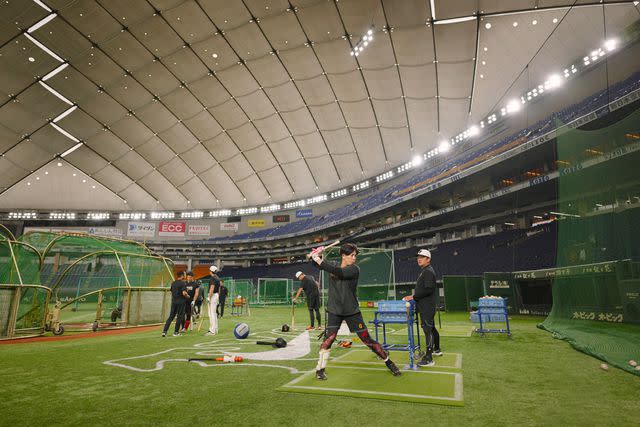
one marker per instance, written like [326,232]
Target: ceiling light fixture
[455,20]
[65,114]
[71,150]
[55,71]
[44,6]
[56,93]
[65,133]
[43,47]
[41,23]
[364,42]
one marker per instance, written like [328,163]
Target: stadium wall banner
[256,223]
[304,213]
[236,218]
[168,229]
[199,230]
[141,229]
[281,218]
[229,226]
[106,231]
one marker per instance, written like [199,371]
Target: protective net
[101,281]
[596,287]
[377,275]
[274,291]
[243,288]
[22,301]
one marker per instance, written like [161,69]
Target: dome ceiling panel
[198,158]
[185,65]
[316,90]
[183,105]
[176,171]
[131,130]
[222,147]
[396,143]
[178,138]
[272,128]
[133,164]
[203,125]
[269,89]
[299,121]
[229,115]
[285,97]
[359,114]
[155,151]
[256,105]
[304,182]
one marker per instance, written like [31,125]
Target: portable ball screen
[241,331]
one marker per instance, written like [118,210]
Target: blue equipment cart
[491,310]
[396,312]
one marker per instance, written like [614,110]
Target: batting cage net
[274,291]
[23,302]
[596,282]
[242,288]
[101,282]
[377,274]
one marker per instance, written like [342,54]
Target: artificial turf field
[531,379]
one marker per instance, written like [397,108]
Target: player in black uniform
[343,305]
[221,301]
[426,297]
[192,291]
[213,297]
[312,292]
[178,298]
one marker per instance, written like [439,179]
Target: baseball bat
[226,359]
[337,242]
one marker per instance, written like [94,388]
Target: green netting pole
[75,305]
[126,279]
[15,262]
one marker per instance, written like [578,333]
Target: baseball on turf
[633,363]
[604,366]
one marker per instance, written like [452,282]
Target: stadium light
[444,147]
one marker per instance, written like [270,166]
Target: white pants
[213,317]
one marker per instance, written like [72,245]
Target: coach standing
[426,297]
[221,301]
[213,297]
[312,292]
[178,297]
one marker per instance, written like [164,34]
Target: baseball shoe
[427,360]
[178,334]
[164,334]
[393,368]
[320,375]
[437,352]
[310,328]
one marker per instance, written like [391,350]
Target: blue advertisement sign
[304,213]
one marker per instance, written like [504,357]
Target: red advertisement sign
[172,228]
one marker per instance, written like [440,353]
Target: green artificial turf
[423,386]
[365,357]
[530,379]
